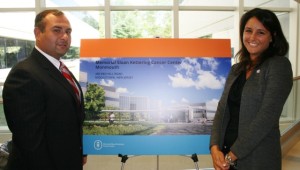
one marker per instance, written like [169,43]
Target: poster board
[151,96]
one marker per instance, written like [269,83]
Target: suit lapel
[54,72]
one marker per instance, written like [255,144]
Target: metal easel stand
[195,159]
[124,159]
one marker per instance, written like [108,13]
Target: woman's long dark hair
[279,45]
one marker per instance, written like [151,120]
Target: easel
[195,159]
[123,160]
[125,157]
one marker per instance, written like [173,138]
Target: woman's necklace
[249,71]
[250,67]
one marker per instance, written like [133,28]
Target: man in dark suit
[42,110]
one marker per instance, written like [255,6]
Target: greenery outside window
[141,24]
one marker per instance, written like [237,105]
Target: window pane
[13,50]
[2,56]
[284,19]
[196,24]
[141,2]
[206,3]
[267,3]
[17,25]
[2,117]
[17,38]
[73,3]
[85,25]
[141,24]
[17,3]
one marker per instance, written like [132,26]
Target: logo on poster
[98,144]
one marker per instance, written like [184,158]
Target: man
[41,107]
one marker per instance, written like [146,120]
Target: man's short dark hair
[39,19]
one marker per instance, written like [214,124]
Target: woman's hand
[218,158]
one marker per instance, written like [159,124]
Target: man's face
[55,40]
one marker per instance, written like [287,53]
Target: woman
[245,133]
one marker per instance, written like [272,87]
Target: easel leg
[123,160]
[125,157]
[195,159]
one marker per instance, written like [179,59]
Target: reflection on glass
[17,3]
[141,24]
[141,2]
[85,25]
[291,110]
[13,50]
[197,24]
[284,18]
[73,3]
[2,53]
[297,97]
[206,2]
[266,3]
[2,117]
[17,24]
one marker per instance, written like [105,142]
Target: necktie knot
[66,73]
[63,67]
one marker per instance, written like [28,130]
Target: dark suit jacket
[43,115]
[264,94]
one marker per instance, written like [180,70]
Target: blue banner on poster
[146,145]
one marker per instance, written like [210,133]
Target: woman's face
[256,37]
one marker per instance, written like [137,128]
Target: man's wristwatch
[229,160]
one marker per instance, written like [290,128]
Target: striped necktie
[66,73]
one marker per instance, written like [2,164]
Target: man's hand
[218,158]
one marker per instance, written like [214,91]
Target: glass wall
[13,50]
[267,3]
[213,3]
[2,117]
[17,3]
[296,93]
[73,3]
[85,25]
[291,111]
[219,24]
[141,2]
[134,19]
[141,24]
